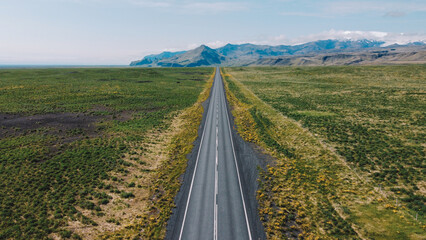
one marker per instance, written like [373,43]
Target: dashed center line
[216,174]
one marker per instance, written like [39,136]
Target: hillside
[417,55]
[323,52]
[156,57]
[201,56]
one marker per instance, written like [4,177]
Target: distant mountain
[251,54]
[332,45]
[405,56]
[201,56]
[155,57]
[163,55]
[250,50]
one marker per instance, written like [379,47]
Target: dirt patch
[146,81]
[123,116]
[59,123]
[63,127]
[107,113]
[68,126]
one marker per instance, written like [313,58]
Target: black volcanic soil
[68,126]
[64,127]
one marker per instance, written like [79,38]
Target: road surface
[215,206]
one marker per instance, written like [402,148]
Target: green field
[374,116]
[371,117]
[66,134]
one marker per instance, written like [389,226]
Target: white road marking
[193,177]
[216,173]
[238,174]
[216,186]
[216,170]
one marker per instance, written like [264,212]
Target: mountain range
[323,52]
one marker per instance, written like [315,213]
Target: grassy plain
[79,147]
[349,144]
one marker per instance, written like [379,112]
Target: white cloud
[206,7]
[152,3]
[169,50]
[304,14]
[216,44]
[338,8]
[186,6]
[343,35]
[388,38]
[355,7]
[274,40]
[395,14]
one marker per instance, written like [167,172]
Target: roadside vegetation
[167,179]
[348,144]
[79,148]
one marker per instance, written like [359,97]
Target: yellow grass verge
[310,192]
[165,183]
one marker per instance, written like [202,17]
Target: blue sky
[119,31]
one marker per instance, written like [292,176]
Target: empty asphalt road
[215,206]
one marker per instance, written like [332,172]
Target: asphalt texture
[217,199]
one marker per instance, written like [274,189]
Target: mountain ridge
[252,54]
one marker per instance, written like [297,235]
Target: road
[215,207]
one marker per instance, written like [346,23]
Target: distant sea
[59,66]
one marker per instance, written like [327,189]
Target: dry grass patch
[167,167]
[128,201]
